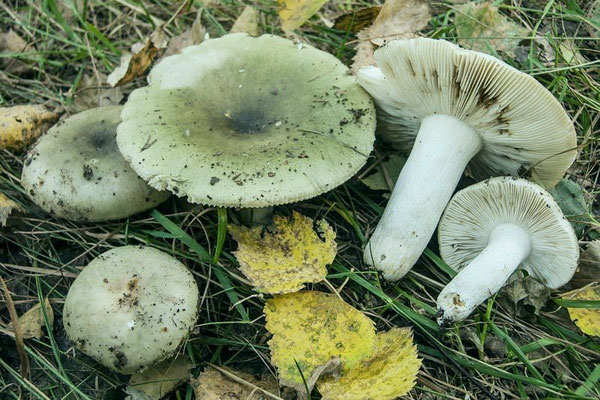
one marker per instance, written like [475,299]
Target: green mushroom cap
[131,307]
[248,122]
[76,171]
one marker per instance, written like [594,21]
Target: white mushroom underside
[508,246]
[442,149]
[474,213]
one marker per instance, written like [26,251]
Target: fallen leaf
[387,374]
[356,20]
[588,270]
[570,198]
[6,207]
[134,65]
[287,255]
[315,334]
[194,35]
[587,319]
[11,42]
[524,291]
[391,168]
[22,125]
[570,52]
[294,13]
[32,321]
[398,19]
[481,27]
[94,91]
[247,22]
[215,385]
[162,378]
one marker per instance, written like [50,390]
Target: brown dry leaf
[32,321]
[398,19]
[356,20]
[588,270]
[481,27]
[294,13]
[247,22]
[231,384]
[22,125]
[11,42]
[94,91]
[6,207]
[134,65]
[194,35]
[162,378]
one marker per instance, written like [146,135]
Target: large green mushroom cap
[131,307]
[248,122]
[76,171]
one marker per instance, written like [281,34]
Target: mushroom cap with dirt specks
[76,171]
[520,123]
[131,307]
[248,122]
[474,212]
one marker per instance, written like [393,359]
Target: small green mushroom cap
[248,122]
[76,171]
[131,307]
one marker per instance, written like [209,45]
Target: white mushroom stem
[508,246]
[443,148]
[256,216]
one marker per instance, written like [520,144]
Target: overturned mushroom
[457,109]
[131,307]
[248,122]
[76,171]
[494,227]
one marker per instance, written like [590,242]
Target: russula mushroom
[458,109]
[131,307]
[248,122]
[494,227]
[76,171]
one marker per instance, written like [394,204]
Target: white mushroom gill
[496,227]
[458,110]
[508,246]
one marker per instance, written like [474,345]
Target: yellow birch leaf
[6,207]
[247,22]
[389,373]
[287,255]
[162,378]
[481,27]
[587,319]
[32,321]
[294,13]
[315,333]
[22,125]
[231,384]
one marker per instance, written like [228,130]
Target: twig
[17,330]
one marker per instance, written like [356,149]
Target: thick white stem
[256,216]
[443,148]
[508,246]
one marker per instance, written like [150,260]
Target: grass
[494,353]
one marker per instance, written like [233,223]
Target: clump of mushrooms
[458,109]
[76,171]
[241,121]
[494,227]
[131,307]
